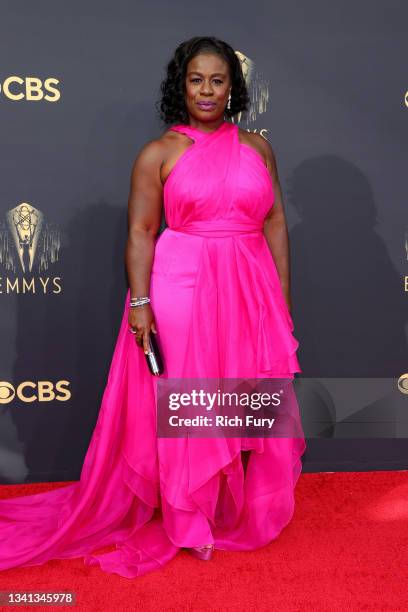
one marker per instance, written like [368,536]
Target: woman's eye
[195,79]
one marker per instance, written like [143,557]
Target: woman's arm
[144,217]
[275,227]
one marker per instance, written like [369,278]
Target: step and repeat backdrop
[79,82]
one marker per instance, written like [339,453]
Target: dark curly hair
[171,107]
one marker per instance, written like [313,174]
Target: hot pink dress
[220,312]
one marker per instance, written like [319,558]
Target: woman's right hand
[141,319]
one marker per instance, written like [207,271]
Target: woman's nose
[206,88]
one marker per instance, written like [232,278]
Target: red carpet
[345,549]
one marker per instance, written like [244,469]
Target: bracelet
[139,301]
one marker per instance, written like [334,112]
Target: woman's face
[207,87]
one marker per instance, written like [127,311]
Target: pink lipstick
[206,105]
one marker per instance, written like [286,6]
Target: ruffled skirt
[219,313]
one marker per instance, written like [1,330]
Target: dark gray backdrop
[337,121]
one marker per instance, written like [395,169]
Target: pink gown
[220,312]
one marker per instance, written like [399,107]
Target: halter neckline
[195,129]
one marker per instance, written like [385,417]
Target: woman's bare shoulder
[254,139]
[260,144]
[156,149]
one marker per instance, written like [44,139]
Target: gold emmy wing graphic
[257,86]
[25,236]
[25,223]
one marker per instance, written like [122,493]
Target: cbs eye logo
[402,384]
[40,391]
[32,89]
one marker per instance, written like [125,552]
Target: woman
[216,292]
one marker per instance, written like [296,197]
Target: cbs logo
[403,383]
[30,88]
[40,391]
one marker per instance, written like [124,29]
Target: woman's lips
[206,105]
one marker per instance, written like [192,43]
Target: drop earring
[229,101]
